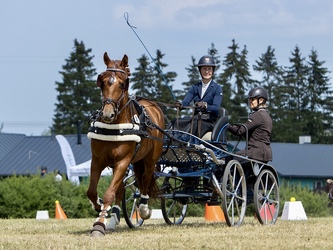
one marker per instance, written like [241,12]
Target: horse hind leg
[144,179]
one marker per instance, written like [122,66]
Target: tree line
[300,94]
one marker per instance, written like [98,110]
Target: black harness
[139,117]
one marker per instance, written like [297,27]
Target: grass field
[193,233]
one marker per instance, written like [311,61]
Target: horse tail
[139,169]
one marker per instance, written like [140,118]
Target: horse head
[114,83]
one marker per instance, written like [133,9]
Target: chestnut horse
[125,131]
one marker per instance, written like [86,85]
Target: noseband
[113,102]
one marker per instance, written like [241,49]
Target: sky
[37,36]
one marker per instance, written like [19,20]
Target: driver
[259,126]
[206,95]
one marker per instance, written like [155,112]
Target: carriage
[201,171]
[128,133]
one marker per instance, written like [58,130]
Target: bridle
[113,102]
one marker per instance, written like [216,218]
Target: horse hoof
[98,230]
[96,234]
[144,211]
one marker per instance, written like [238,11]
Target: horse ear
[124,61]
[106,59]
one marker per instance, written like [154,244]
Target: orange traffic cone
[214,213]
[136,215]
[265,212]
[59,212]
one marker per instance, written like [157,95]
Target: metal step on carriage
[194,170]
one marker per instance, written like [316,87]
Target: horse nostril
[108,117]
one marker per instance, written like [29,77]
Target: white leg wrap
[145,196]
[113,222]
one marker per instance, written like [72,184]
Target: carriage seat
[219,133]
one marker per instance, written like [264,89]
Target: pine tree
[78,95]
[212,51]
[294,99]
[162,88]
[271,71]
[141,81]
[319,118]
[272,77]
[235,80]
[193,76]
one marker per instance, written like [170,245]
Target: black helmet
[206,61]
[258,92]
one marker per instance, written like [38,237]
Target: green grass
[193,233]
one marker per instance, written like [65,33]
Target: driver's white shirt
[204,88]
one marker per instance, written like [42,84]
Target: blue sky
[37,36]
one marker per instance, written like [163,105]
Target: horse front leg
[95,173]
[115,209]
[114,191]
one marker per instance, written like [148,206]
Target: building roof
[28,154]
[8,142]
[23,155]
[300,160]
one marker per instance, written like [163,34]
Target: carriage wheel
[266,198]
[173,209]
[234,192]
[130,202]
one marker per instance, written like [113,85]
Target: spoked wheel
[234,192]
[130,202]
[173,208]
[266,198]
